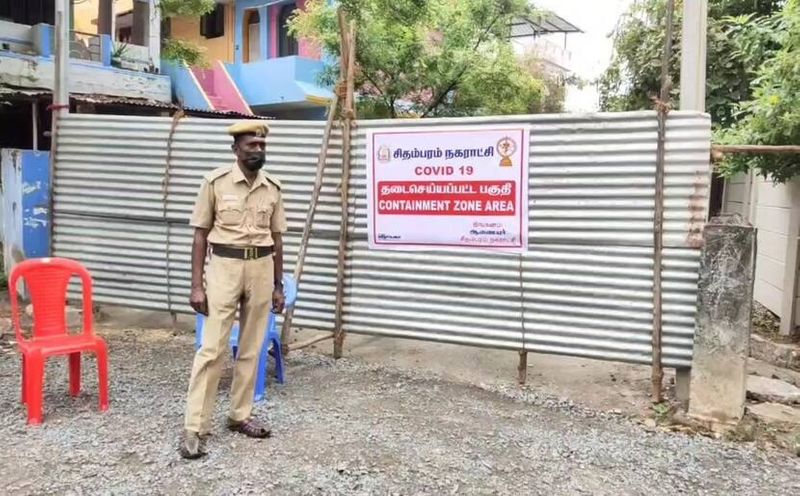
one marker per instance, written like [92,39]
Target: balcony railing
[39,40]
[85,46]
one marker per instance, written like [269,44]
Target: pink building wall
[273,13]
[305,48]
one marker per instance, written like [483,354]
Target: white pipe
[35,114]
[154,34]
[62,37]
[693,55]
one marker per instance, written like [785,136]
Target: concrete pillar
[105,15]
[154,35]
[683,379]
[693,55]
[722,330]
[141,20]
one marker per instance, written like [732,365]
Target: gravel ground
[352,428]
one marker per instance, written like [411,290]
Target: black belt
[242,253]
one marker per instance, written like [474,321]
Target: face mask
[254,160]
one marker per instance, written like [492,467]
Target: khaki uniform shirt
[238,213]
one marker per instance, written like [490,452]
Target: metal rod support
[305,344]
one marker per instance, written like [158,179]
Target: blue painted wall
[185,88]
[26,205]
[282,80]
[268,82]
[36,203]
[238,39]
[264,82]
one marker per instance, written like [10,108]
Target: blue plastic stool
[272,341]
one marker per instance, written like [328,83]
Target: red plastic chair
[47,281]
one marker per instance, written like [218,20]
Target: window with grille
[212,25]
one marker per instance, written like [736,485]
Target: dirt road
[353,428]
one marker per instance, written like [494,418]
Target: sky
[592,49]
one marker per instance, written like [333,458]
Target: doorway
[287,44]
[252,36]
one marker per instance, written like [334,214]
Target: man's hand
[278,300]
[198,301]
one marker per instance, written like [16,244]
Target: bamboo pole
[757,149]
[348,38]
[312,210]
[657,375]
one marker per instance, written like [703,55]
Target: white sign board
[448,188]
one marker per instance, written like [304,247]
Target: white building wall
[84,77]
[774,209]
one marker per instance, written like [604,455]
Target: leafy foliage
[741,36]
[185,8]
[180,50]
[183,51]
[429,57]
[555,85]
[772,116]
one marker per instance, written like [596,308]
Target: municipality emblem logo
[505,148]
[384,154]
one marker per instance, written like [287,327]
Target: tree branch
[369,78]
[454,83]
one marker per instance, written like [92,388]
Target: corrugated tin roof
[104,100]
[546,23]
[12,93]
[31,94]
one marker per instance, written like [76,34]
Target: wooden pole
[657,375]
[757,149]
[348,37]
[312,210]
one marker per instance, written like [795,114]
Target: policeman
[239,213]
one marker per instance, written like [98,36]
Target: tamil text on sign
[448,188]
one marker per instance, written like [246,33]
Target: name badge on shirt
[228,198]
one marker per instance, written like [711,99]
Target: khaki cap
[249,127]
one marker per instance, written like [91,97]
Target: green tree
[429,57]
[175,50]
[555,83]
[741,36]
[772,116]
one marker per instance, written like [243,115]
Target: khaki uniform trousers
[230,282]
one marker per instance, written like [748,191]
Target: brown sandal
[250,428]
[192,446]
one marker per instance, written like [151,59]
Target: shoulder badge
[217,173]
[273,180]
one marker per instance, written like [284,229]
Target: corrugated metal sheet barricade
[586,282]
[109,211]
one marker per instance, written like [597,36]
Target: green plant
[118,54]
[428,58]
[3,275]
[183,51]
[772,115]
[555,85]
[662,410]
[741,37]
[185,8]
